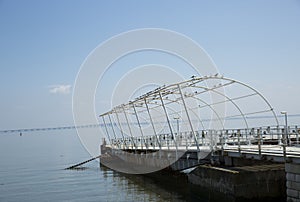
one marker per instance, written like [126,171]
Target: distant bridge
[48,129]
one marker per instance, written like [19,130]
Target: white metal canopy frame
[178,115]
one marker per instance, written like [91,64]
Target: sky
[43,44]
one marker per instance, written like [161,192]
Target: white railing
[215,139]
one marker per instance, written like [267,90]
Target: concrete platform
[261,182]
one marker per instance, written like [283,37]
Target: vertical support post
[186,141]
[168,120]
[139,124]
[252,136]
[106,130]
[222,143]
[189,120]
[297,135]
[289,137]
[152,124]
[226,138]
[121,130]
[259,141]
[239,140]
[132,139]
[270,132]
[285,139]
[284,142]
[203,137]
[113,129]
[278,136]
[246,133]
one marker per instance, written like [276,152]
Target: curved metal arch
[157,111]
[247,86]
[211,89]
[170,89]
[201,122]
[161,114]
[219,118]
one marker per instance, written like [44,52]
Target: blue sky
[43,44]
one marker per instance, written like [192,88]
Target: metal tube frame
[151,121]
[138,121]
[132,138]
[189,119]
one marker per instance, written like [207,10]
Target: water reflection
[158,187]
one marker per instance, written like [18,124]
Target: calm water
[32,169]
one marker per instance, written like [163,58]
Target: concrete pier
[262,182]
[292,182]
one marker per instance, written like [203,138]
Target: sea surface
[32,169]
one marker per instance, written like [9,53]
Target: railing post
[284,142]
[288,134]
[239,142]
[222,143]
[203,137]
[189,120]
[297,135]
[270,133]
[186,141]
[226,138]
[259,141]
[278,136]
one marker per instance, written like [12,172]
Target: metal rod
[170,127]
[152,124]
[284,143]
[139,124]
[285,139]
[112,127]
[189,119]
[278,135]
[259,142]
[106,130]
[297,135]
[239,140]
[132,139]
[121,130]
